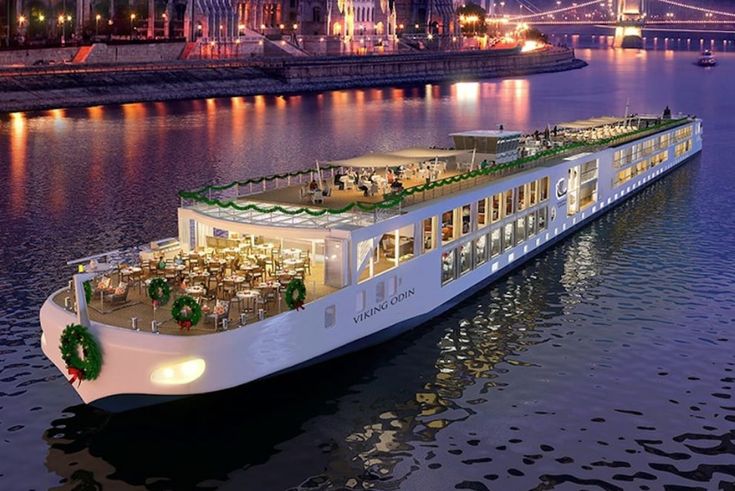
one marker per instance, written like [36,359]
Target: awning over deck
[406,156]
[588,124]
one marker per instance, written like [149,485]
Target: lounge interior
[236,280]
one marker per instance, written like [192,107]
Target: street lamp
[97,25]
[63,30]
[132,19]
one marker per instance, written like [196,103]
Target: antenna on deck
[627,110]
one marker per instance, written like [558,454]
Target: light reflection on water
[605,363]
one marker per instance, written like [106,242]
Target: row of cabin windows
[632,153]
[398,246]
[457,223]
[472,254]
[682,133]
[682,148]
[629,173]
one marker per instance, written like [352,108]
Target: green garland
[159,291]
[186,311]
[87,291]
[295,294]
[86,367]
[394,199]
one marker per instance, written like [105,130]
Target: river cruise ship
[271,274]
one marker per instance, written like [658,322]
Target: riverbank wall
[36,88]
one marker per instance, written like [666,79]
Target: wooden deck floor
[339,198]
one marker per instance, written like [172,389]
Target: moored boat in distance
[707,59]
[271,274]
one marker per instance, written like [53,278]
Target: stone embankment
[35,88]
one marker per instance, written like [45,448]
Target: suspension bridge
[628,17]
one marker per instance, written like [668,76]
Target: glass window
[520,230]
[521,198]
[447,226]
[482,213]
[495,242]
[496,200]
[428,231]
[508,198]
[532,193]
[465,257]
[531,224]
[481,249]
[508,236]
[448,266]
[466,219]
[360,301]
[543,189]
[541,222]
[397,246]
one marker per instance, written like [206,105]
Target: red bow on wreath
[185,325]
[298,305]
[76,374]
[155,304]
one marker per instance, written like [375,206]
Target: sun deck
[357,192]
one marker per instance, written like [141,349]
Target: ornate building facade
[226,19]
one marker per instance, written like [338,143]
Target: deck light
[179,373]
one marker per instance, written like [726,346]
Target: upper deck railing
[226,201]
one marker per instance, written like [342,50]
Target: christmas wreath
[159,291]
[186,311]
[87,291]
[295,294]
[86,367]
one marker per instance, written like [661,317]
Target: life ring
[87,366]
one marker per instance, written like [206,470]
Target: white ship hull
[299,337]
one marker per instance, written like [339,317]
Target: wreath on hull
[159,291]
[186,311]
[88,365]
[295,294]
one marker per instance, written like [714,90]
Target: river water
[605,363]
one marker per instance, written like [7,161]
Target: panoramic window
[543,189]
[531,224]
[465,257]
[482,213]
[447,226]
[521,197]
[508,236]
[429,227]
[542,219]
[495,242]
[466,212]
[520,230]
[496,203]
[481,249]
[532,193]
[448,266]
[508,199]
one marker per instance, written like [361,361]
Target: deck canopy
[414,155]
[591,123]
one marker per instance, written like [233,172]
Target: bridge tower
[631,15]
